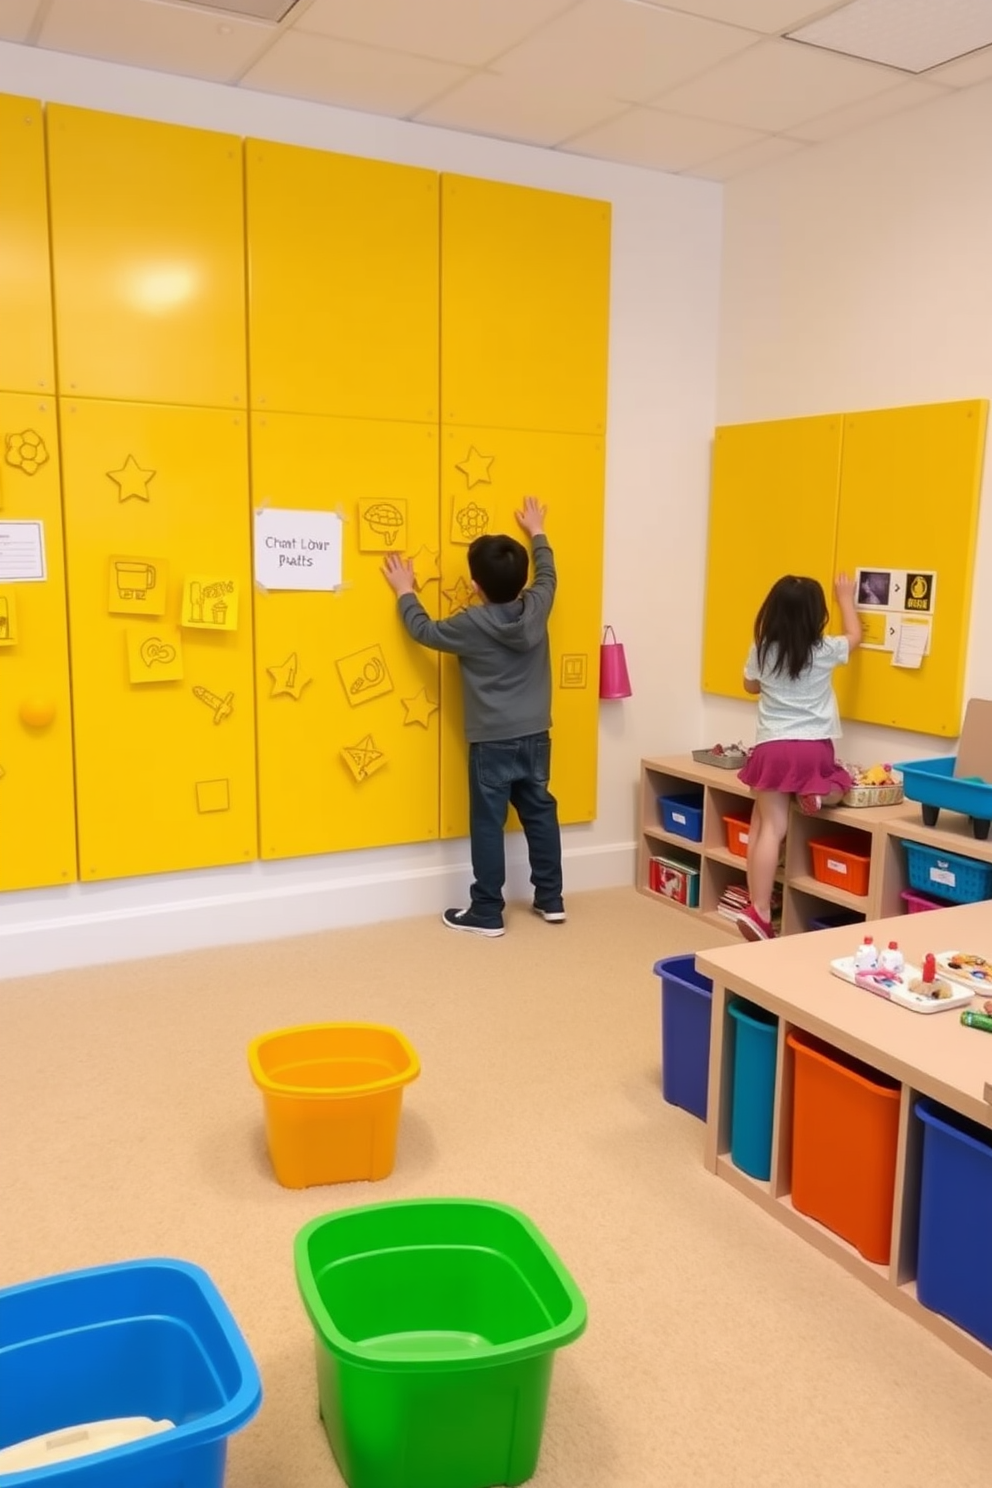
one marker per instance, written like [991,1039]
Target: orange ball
[37,712]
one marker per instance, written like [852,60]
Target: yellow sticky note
[873,629]
[155,654]
[137,586]
[210,604]
[8,618]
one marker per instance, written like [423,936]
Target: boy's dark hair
[791,623]
[498,564]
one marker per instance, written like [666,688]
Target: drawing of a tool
[222,707]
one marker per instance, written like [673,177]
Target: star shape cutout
[363,758]
[459,596]
[425,567]
[419,708]
[131,480]
[286,679]
[475,468]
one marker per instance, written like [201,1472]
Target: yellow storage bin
[333,1094]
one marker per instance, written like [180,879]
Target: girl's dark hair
[791,623]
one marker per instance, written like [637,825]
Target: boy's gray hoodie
[503,653]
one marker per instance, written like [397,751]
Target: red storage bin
[842,862]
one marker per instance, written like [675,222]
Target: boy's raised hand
[531,518]
[398,573]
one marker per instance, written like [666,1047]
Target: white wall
[666,248]
[859,275]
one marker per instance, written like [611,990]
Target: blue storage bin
[683,815]
[837,920]
[947,875]
[686,1006]
[140,1339]
[955,1211]
[753,1104]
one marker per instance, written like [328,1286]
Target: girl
[790,669]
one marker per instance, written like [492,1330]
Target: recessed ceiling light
[911,35]
[249,10]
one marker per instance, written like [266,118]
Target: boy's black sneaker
[466,919]
[555,916]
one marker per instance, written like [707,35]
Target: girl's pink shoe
[810,805]
[752,926]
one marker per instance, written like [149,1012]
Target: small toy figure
[866,956]
[892,959]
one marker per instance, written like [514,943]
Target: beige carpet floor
[721,1349]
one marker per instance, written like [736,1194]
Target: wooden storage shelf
[883,828]
[933,1056]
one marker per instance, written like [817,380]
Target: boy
[502,649]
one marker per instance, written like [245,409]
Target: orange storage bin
[738,829]
[844,1133]
[842,862]
[333,1093]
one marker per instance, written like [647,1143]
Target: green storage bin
[436,1323]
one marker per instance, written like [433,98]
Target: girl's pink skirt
[801,767]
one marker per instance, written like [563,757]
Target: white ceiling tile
[463,31]
[661,141]
[489,104]
[165,37]
[893,101]
[974,69]
[914,35]
[770,16]
[776,85]
[16,18]
[630,52]
[763,152]
[342,73]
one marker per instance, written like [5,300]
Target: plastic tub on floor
[686,1008]
[109,1347]
[436,1324]
[753,1104]
[333,1095]
[955,1209]
[918,903]
[844,1135]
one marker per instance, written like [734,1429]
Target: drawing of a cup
[219,612]
[134,579]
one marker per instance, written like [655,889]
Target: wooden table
[929,1054]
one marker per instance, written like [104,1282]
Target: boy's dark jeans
[500,774]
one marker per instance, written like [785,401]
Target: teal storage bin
[753,1107]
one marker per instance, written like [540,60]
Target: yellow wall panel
[148,254]
[773,510]
[485,475]
[909,499]
[343,275]
[347,704]
[524,307]
[26,353]
[37,824]
[156,498]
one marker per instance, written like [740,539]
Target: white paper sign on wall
[298,549]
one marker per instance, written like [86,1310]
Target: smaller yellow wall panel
[26,351]
[37,821]
[348,705]
[343,276]
[909,499]
[774,496]
[525,290]
[148,255]
[485,475]
[159,569]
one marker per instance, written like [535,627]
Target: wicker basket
[873,795]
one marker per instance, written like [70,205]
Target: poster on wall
[896,607]
[298,549]
[22,552]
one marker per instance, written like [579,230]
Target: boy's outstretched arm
[531,519]
[439,635]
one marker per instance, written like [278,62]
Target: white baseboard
[94,924]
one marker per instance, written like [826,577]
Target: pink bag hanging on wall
[614,681]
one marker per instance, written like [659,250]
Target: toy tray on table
[934,785]
[965,967]
[897,988]
[730,759]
